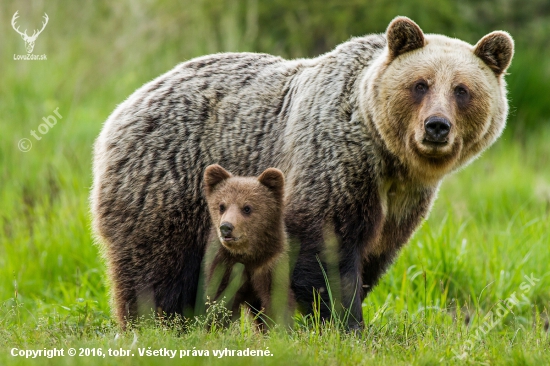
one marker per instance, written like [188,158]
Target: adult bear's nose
[437,128]
[226,228]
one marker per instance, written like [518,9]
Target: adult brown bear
[363,134]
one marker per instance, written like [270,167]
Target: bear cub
[248,236]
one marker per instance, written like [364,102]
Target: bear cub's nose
[437,129]
[226,228]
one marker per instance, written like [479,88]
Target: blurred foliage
[136,33]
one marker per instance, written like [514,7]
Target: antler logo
[29,41]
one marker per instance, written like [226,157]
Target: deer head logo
[29,40]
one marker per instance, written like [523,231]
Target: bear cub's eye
[222,208]
[247,210]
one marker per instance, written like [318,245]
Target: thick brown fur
[253,209]
[348,129]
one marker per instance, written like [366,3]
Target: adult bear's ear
[214,175]
[403,35]
[274,180]
[496,50]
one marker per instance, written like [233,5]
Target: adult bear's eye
[462,95]
[247,210]
[419,89]
[461,91]
[222,208]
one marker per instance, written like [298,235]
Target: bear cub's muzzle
[226,229]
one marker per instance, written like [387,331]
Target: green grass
[488,229]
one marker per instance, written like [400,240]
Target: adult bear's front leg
[305,233]
[356,226]
[351,282]
[332,247]
[329,281]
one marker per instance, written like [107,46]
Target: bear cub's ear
[273,179]
[496,50]
[403,35]
[214,175]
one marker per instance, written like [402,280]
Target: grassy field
[450,297]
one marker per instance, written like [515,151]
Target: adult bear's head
[436,101]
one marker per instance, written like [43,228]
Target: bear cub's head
[246,212]
[436,101]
